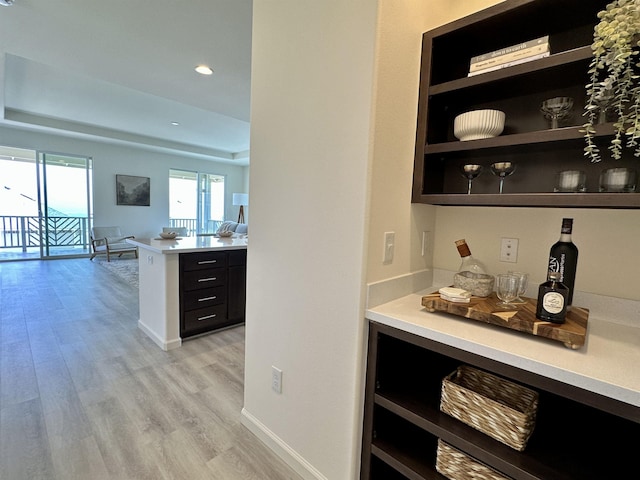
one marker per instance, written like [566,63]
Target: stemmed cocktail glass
[556,109]
[502,170]
[470,172]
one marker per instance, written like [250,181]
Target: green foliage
[614,75]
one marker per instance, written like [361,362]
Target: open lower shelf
[403,421]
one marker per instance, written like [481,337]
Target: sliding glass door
[45,204]
[65,195]
[196,201]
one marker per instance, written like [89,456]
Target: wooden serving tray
[572,333]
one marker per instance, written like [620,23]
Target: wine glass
[502,170]
[523,280]
[603,100]
[470,172]
[507,290]
[556,109]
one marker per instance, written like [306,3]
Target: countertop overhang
[190,244]
[608,364]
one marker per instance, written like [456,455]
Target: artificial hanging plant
[614,74]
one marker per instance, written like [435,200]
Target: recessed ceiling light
[204,70]
[175,123]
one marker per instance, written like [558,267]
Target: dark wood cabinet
[538,151]
[212,290]
[237,280]
[578,434]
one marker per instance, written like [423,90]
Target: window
[196,201]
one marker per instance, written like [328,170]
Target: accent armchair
[110,241]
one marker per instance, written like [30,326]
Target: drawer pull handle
[207,298]
[207,317]
[209,279]
[204,262]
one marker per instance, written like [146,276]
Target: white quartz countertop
[608,364]
[190,244]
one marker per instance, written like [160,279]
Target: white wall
[606,239]
[111,159]
[312,75]
[304,308]
[400,30]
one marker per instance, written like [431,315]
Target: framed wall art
[131,190]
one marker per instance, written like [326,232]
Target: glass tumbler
[507,290]
[523,280]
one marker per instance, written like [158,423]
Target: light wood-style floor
[84,394]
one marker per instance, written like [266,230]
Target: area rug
[124,268]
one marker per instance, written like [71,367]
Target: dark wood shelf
[571,438]
[529,138]
[408,464]
[555,60]
[539,152]
[567,200]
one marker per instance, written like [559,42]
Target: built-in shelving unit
[538,151]
[578,434]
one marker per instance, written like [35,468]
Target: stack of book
[510,56]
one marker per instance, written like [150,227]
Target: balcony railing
[23,232]
[191,225]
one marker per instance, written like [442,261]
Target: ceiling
[123,70]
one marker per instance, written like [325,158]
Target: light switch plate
[389,244]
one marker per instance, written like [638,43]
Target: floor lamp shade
[241,199]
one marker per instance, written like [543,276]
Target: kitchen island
[589,397]
[190,286]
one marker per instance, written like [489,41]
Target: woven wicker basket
[501,409]
[455,465]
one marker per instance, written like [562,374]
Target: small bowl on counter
[168,235]
[226,233]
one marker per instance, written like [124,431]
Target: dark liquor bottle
[563,257]
[552,300]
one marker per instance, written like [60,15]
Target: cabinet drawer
[204,260]
[205,318]
[204,298]
[199,279]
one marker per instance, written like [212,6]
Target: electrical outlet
[389,244]
[276,379]
[509,250]
[150,259]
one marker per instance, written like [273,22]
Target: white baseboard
[170,345]
[275,443]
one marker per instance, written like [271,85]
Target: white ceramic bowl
[227,233]
[168,235]
[478,124]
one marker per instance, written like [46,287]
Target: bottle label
[553,302]
[557,265]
